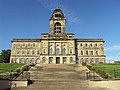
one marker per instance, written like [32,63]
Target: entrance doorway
[57,60]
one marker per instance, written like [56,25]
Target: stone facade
[57,47]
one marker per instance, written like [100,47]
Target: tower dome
[57,13]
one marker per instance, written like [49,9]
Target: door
[57,60]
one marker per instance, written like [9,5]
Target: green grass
[108,68]
[7,67]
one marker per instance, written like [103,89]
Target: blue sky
[86,18]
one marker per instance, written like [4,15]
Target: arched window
[57,27]
[50,50]
[64,50]
[57,50]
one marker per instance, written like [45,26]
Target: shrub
[84,63]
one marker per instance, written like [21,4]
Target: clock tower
[57,23]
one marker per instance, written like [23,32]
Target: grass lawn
[108,68]
[7,67]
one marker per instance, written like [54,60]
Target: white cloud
[71,16]
[113,48]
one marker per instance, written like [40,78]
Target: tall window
[43,60]
[57,50]
[82,53]
[22,60]
[91,60]
[97,53]
[71,59]
[91,52]
[64,50]
[86,52]
[82,60]
[33,52]
[32,61]
[23,52]
[44,51]
[28,44]
[33,44]
[64,59]
[87,60]
[50,50]
[96,45]
[23,45]
[38,60]
[97,60]
[27,60]
[38,52]
[70,51]
[81,44]
[91,44]
[28,52]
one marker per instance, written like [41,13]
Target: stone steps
[57,77]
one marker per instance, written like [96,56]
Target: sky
[85,18]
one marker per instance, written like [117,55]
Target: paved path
[58,77]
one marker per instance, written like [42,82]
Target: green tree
[5,56]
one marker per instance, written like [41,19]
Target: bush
[84,63]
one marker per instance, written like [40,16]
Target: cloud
[70,15]
[113,48]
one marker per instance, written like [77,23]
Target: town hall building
[58,46]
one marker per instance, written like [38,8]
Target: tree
[5,56]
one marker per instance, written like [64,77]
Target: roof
[58,10]
[90,39]
[25,40]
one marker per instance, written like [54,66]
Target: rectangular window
[71,59]
[64,59]
[43,60]
[50,59]
[82,60]
[28,52]
[38,52]
[33,52]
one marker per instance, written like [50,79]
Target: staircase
[57,77]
